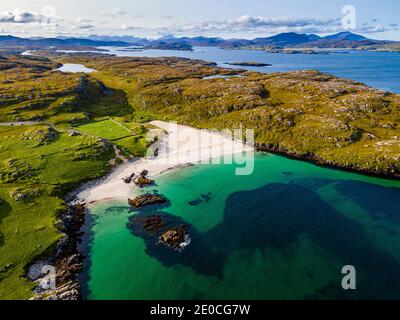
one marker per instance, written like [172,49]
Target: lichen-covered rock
[73,133]
[43,135]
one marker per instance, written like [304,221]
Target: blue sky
[223,18]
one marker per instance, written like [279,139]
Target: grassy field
[107,129]
[36,170]
[129,137]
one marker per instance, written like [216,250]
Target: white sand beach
[178,146]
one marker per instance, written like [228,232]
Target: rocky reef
[162,229]
[142,180]
[151,223]
[175,238]
[147,200]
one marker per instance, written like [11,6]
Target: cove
[284,232]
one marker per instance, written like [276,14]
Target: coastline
[310,158]
[69,254]
[179,146]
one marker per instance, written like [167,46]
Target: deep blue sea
[377,69]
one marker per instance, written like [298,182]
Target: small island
[249,64]
[297,51]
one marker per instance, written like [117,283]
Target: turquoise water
[284,232]
[378,69]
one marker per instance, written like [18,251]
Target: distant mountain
[313,37]
[294,40]
[162,45]
[284,39]
[346,36]
[195,41]
[167,37]
[129,39]
[49,42]
[14,41]
[344,40]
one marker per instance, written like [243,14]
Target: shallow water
[74,68]
[284,232]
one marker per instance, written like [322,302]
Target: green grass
[136,146]
[107,129]
[128,136]
[42,173]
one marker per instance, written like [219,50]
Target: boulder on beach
[144,173]
[129,179]
[143,181]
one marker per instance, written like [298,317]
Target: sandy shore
[177,146]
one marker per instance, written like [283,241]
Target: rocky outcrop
[67,261]
[73,133]
[129,179]
[175,238]
[143,181]
[147,200]
[161,229]
[67,291]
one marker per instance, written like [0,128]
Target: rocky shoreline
[311,158]
[66,259]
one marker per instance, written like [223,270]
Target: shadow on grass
[114,104]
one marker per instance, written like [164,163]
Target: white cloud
[20,16]
[253,26]
[115,12]
[32,23]
[257,25]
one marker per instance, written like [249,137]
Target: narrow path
[18,123]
